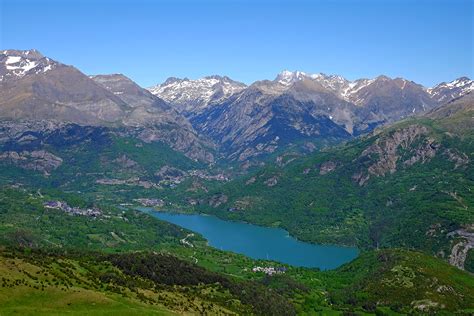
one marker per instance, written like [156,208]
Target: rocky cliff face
[38,160]
[403,147]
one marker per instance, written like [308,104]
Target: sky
[424,41]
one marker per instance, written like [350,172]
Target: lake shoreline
[258,242]
[152,209]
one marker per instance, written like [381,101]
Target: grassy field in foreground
[28,289]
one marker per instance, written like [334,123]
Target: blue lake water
[260,242]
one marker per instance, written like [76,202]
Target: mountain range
[215,117]
[248,121]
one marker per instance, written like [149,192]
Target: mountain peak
[383,78]
[446,91]
[171,80]
[15,64]
[287,77]
[195,95]
[32,54]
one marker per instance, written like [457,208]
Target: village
[63,206]
[269,270]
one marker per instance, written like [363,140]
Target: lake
[260,242]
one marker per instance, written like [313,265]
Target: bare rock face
[360,178]
[424,153]
[459,159]
[250,181]
[460,249]
[181,140]
[327,167]
[38,160]
[387,149]
[257,122]
[272,181]
[217,200]
[408,146]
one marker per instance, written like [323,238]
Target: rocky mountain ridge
[257,120]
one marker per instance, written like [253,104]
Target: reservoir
[260,242]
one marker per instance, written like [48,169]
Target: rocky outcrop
[250,181]
[287,158]
[38,160]
[37,88]
[360,178]
[405,146]
[327,167]
[423,153]
[458,158]
[385,150]
[271,182]
[181,140]
[465,242]
[255,122]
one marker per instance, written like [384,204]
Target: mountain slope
[254,123]
[36,88]
[405,281]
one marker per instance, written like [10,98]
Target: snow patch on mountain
[17,64]
[446,91]
[196,95]
[343,88]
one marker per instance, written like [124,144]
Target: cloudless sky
[424,41]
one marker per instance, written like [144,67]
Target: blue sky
[425,41]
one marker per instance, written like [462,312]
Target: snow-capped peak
[446,91]
[287,77]
[339,85]
[196,94]
[332,82]
[18,63]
